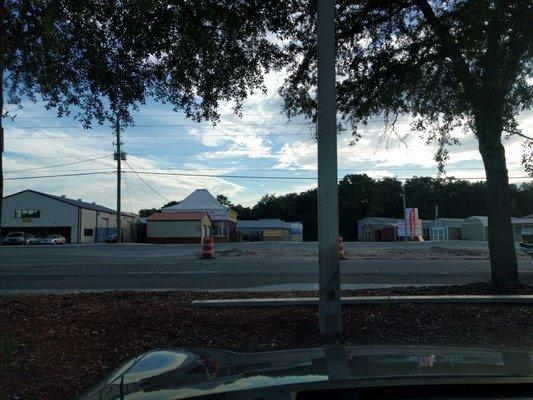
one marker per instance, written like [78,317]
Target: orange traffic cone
[208,249]
[342,254]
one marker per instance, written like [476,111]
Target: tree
[146,212]
[454,64]
[386,199]
[355,194]
[170,203]
[423,193]
[222,199]
[84,57]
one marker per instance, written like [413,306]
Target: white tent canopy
[202,201]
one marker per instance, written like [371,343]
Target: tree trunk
[504,266]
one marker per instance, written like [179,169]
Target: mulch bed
[65,343]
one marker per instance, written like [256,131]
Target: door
[438,233]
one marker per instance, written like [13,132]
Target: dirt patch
[64,343]
[434,252]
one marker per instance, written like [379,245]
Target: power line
[59,165]
[59,175]
[177,136]
[36,156]
[225,176]
[164,125]
[146,183]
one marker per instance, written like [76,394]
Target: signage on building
[272,232]
[414,224]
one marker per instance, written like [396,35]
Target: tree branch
[459,65]
[511,132]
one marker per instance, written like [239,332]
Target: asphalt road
[160,267]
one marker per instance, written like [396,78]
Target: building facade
[223,218]
[78,221]
[269,230]
[178,227]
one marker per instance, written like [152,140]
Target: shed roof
[523,220]
[482,218]
[378,220]
[178,216]
[200,199]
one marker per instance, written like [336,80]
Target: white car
[54,239]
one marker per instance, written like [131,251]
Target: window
[27,213]
[87,232]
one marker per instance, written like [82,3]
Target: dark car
[111,238]
[347,372]
[527,241]
[14,238]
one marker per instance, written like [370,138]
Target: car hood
[187,373]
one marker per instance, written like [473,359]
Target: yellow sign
[26,220]
[272,232]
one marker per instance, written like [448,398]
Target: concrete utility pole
[328,199]
[118,157]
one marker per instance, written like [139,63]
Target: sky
[260,149]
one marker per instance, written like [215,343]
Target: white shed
[476,228]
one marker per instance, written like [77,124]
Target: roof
[200,199]
[76,203]
[261,223]
[179,216]
[482,218]
[379,220]
[293,225]
[524,220]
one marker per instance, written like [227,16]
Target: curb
[366,300]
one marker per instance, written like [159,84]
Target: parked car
[54,239]
[111,238]
[12,238]
[527,241]
[31,238]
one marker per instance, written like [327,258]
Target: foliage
[224,201]
[146,212]
[7,347]
[387,303]
[448,64]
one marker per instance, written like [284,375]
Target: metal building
[269,230]
[78,221]
[476,228]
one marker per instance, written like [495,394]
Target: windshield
[15,234]
[262,176]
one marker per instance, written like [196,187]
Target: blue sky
[261,143]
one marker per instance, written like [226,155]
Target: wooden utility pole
[328,199]
[118,157]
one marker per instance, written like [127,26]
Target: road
[160,267]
